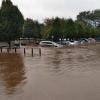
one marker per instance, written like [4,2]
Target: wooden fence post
[1,50]
[39,51]
[15,50]
[24,51]
[7,50]
[32,52]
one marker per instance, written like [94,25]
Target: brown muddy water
[59,74]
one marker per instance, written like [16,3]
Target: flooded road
[59,74]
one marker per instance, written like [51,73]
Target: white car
[49,44]
[71,43]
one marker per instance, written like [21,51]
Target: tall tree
[47,29]
[70,29]
[52,29]
[32,29]
[11,22]
[56,29]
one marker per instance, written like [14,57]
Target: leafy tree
[47,29]
[52,29]
[11,22]
[37,29]
[67,28]
[32,29]
[70,28]
[56,29]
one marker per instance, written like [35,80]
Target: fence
[24,50]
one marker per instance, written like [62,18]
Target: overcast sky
[41,9]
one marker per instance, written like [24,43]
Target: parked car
[64,42]
[87,40]
[91,40]
[83,41]
[49,44]
[73,42]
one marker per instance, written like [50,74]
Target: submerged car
[87,41]
[73,43]
[49,44]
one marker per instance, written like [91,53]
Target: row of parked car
[67,42]
[80,41]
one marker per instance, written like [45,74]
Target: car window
[47,42]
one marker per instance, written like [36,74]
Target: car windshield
[72,41]
[47,42]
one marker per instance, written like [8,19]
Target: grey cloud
[39,9]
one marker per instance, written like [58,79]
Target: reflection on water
[71,59]
[64,74]
[11,71]
[59,74]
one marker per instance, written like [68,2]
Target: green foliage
[11,22]
[59,28]
[32,29]
[56,29]
[11,25]
[47,29]
[52,29]
[93,15]
[70,29]
[90,15]
[67,28]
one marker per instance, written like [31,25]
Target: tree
[70,29]
[90,21]
[52,29]
[56,29]
[32,29]
[11,22]
[47,29]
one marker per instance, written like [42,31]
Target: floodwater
[59,74]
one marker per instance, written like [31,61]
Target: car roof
[46,41]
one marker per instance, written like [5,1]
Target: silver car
[49,44]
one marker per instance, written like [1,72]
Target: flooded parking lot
[59,74]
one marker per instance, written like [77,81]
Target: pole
[15,50]
[32,52]
[7,50]
[24,51]
[1,49]
[40,51]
